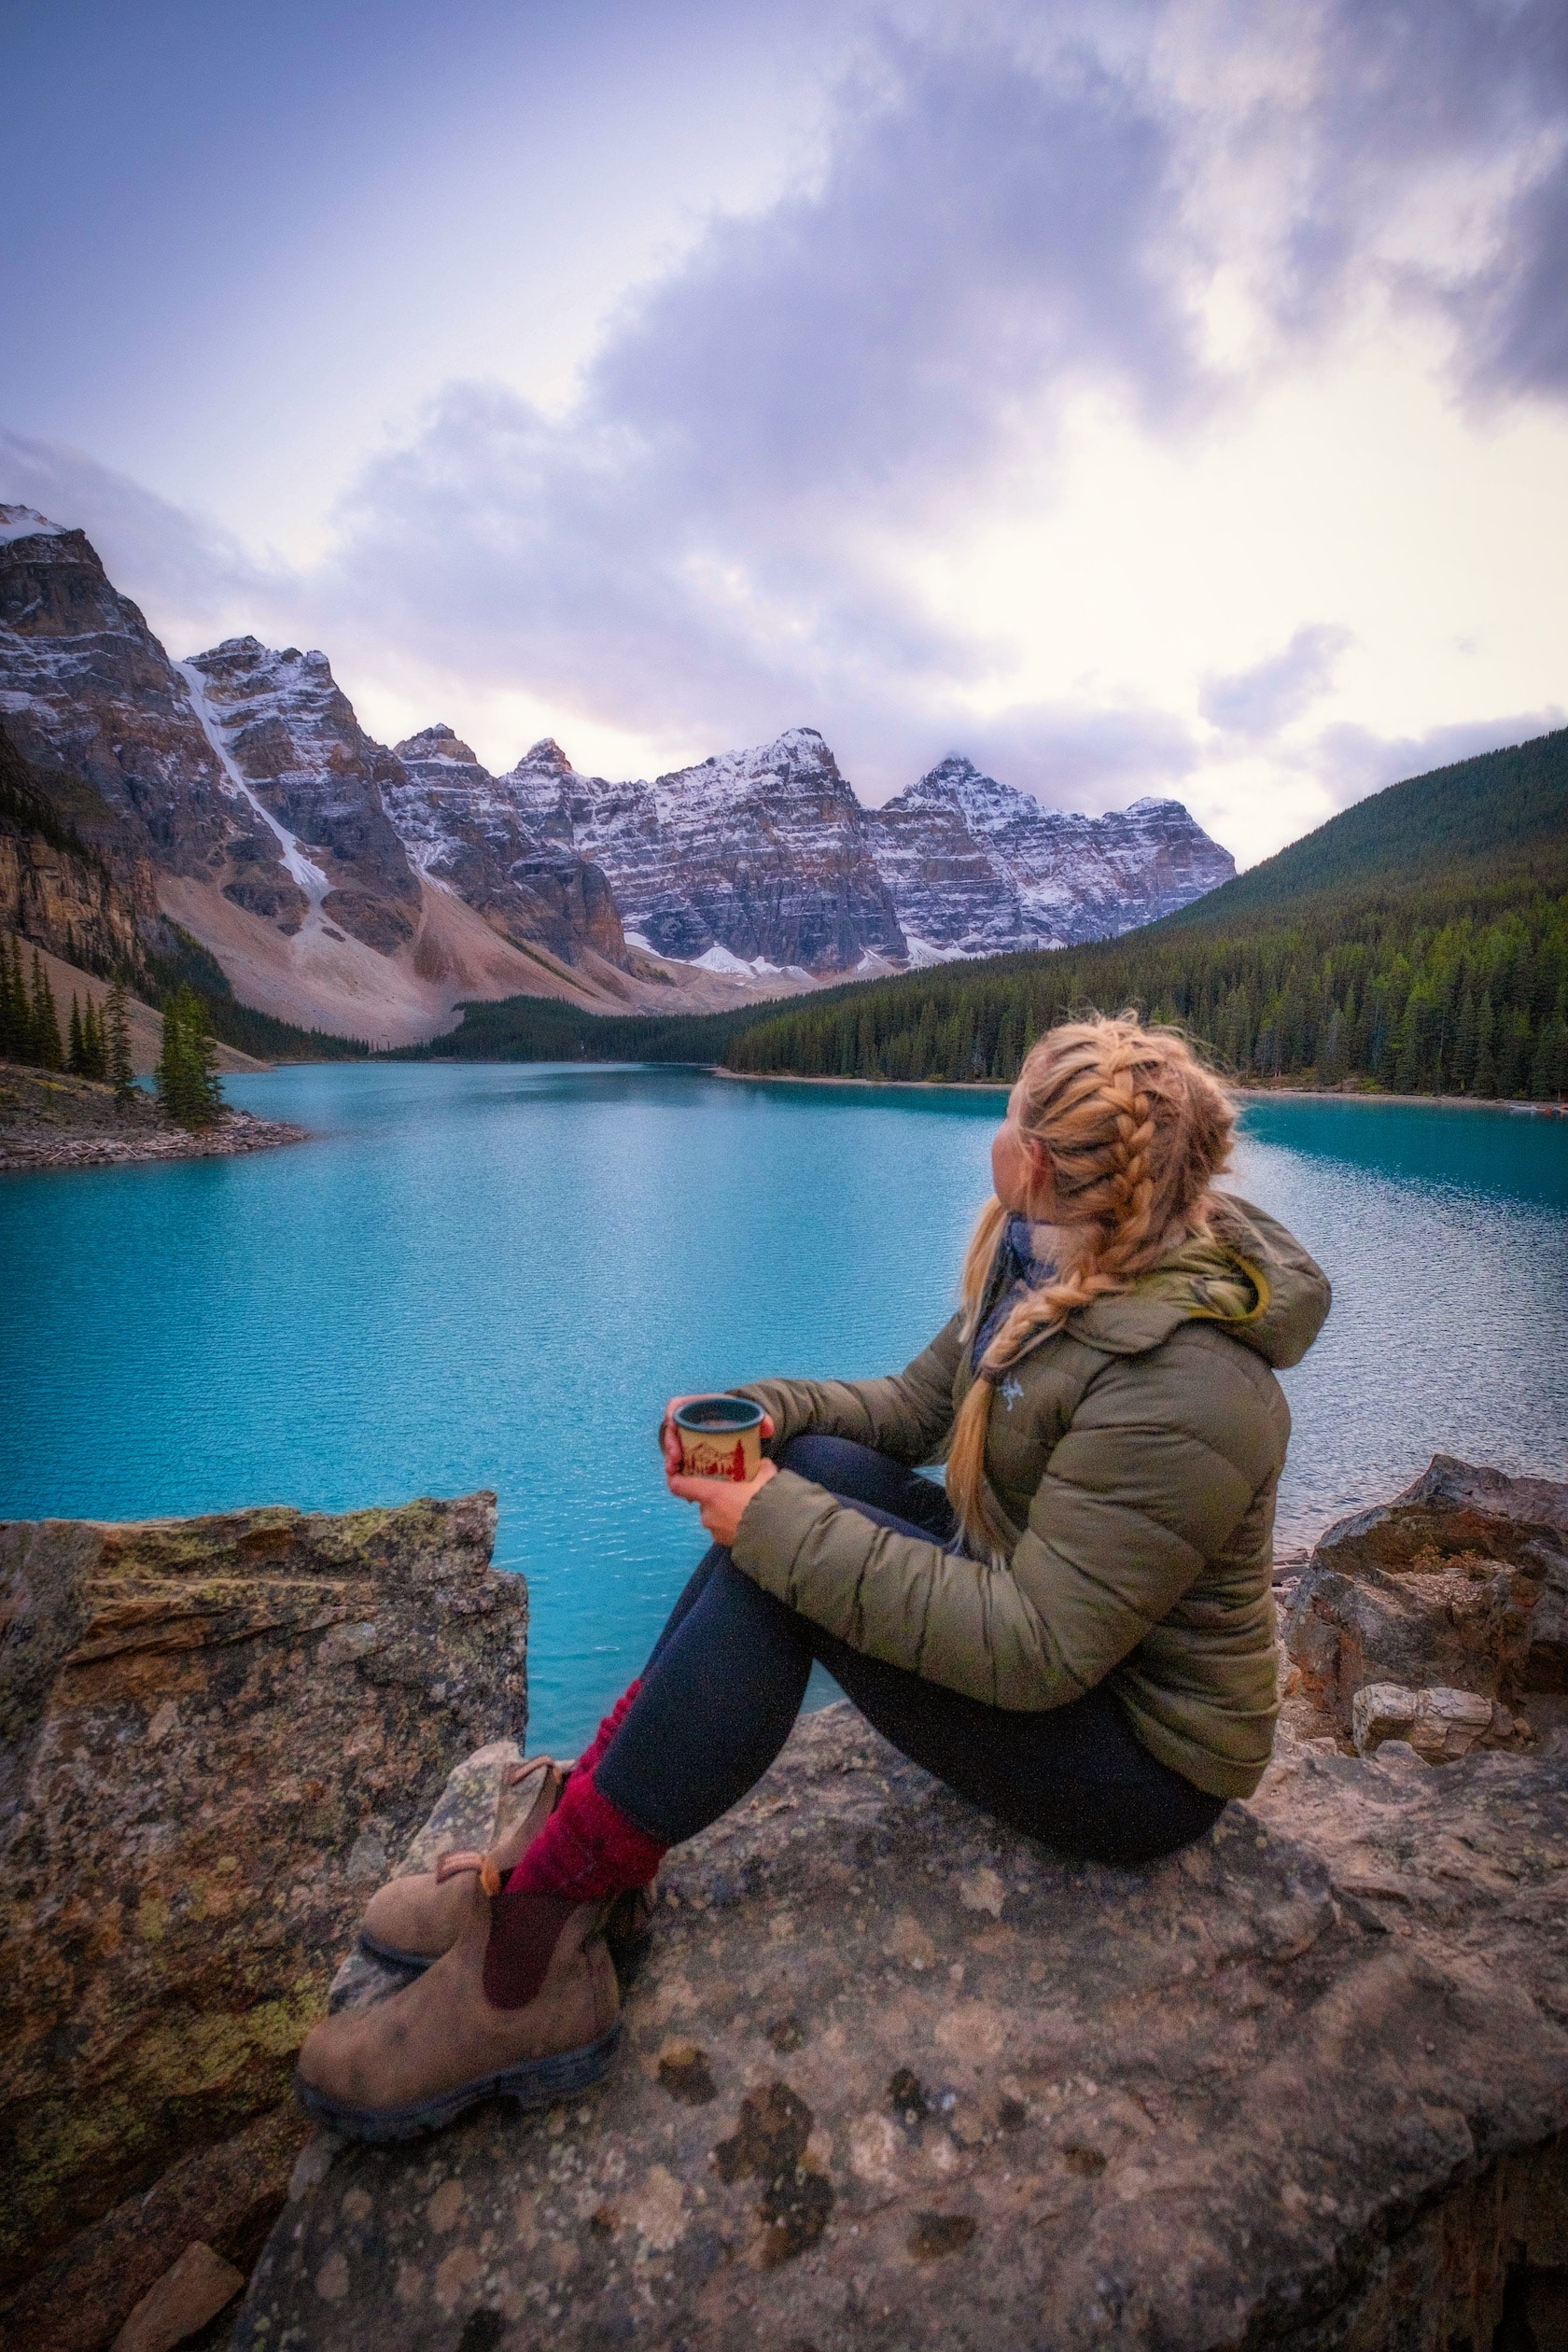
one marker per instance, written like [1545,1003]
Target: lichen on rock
[202,1722]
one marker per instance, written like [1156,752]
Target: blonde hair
[1134,1129]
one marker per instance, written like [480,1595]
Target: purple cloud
[1261,700]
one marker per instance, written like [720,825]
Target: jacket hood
[1247,1274]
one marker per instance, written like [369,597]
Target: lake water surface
[495,1275]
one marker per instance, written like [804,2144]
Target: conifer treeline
[29,1020]
[97,1042]
[1407,990]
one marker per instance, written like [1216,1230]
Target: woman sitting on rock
[1078,1635]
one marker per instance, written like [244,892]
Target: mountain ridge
[342,883]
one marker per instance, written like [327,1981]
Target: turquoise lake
[495,1275]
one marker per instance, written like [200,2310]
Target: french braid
[1134,1131]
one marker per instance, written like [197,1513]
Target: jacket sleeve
[906,1416]
[1132,1504]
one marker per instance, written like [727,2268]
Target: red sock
[592,1755]
[587,1848]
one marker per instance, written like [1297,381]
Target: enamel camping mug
[720,1437]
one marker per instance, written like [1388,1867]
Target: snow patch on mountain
[300,869]
[25,522]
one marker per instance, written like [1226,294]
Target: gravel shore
[51,1121]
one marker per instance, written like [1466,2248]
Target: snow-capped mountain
[978,868]
[754,860]
[478,835]
[291,746]
[367,890]
[84,686]
[237,793]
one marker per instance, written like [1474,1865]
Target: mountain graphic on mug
[720,1437]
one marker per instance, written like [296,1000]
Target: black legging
[727,1676]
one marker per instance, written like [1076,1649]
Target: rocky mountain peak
[977,867]
[439,742]
[545,757]
[291,743]
[25,522]
[503,844]
[749,863]
[86,687]
[796,763]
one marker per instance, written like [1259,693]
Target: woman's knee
[827,1460]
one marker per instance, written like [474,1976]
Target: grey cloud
[690,546]
[1518,315]
[1261,700]
[697,547]
[1418,104]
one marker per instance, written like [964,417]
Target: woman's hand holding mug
[720,1502]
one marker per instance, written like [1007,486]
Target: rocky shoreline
[893,2077]
[51,1121]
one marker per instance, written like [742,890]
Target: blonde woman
[1077,1635]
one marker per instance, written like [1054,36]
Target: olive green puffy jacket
[1137,1451]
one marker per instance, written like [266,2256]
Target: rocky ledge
[894,2076]
[49,1120]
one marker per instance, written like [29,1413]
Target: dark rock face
[506,857]
[86,687]
[289,733]
[212,1732]
[1460,1583]
[72,878]
[755,857]
[978,868]
[894,2075]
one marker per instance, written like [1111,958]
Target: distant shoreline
[1249,1093]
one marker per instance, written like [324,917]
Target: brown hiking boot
[525,2006]
[410,1921]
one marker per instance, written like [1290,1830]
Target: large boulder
[894,2076]
[1460,1582]
[212,1732]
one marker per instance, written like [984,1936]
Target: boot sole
[539,2082]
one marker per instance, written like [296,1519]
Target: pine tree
[1548,1077]
[16,1022]
[94,1060]
[47,1050]
[76,1053]
[116,1046]
[1485,1079]
[189,1088]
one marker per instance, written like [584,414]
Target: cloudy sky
[1149,396]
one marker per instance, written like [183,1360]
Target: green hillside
[1501,808]
[1417,943]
